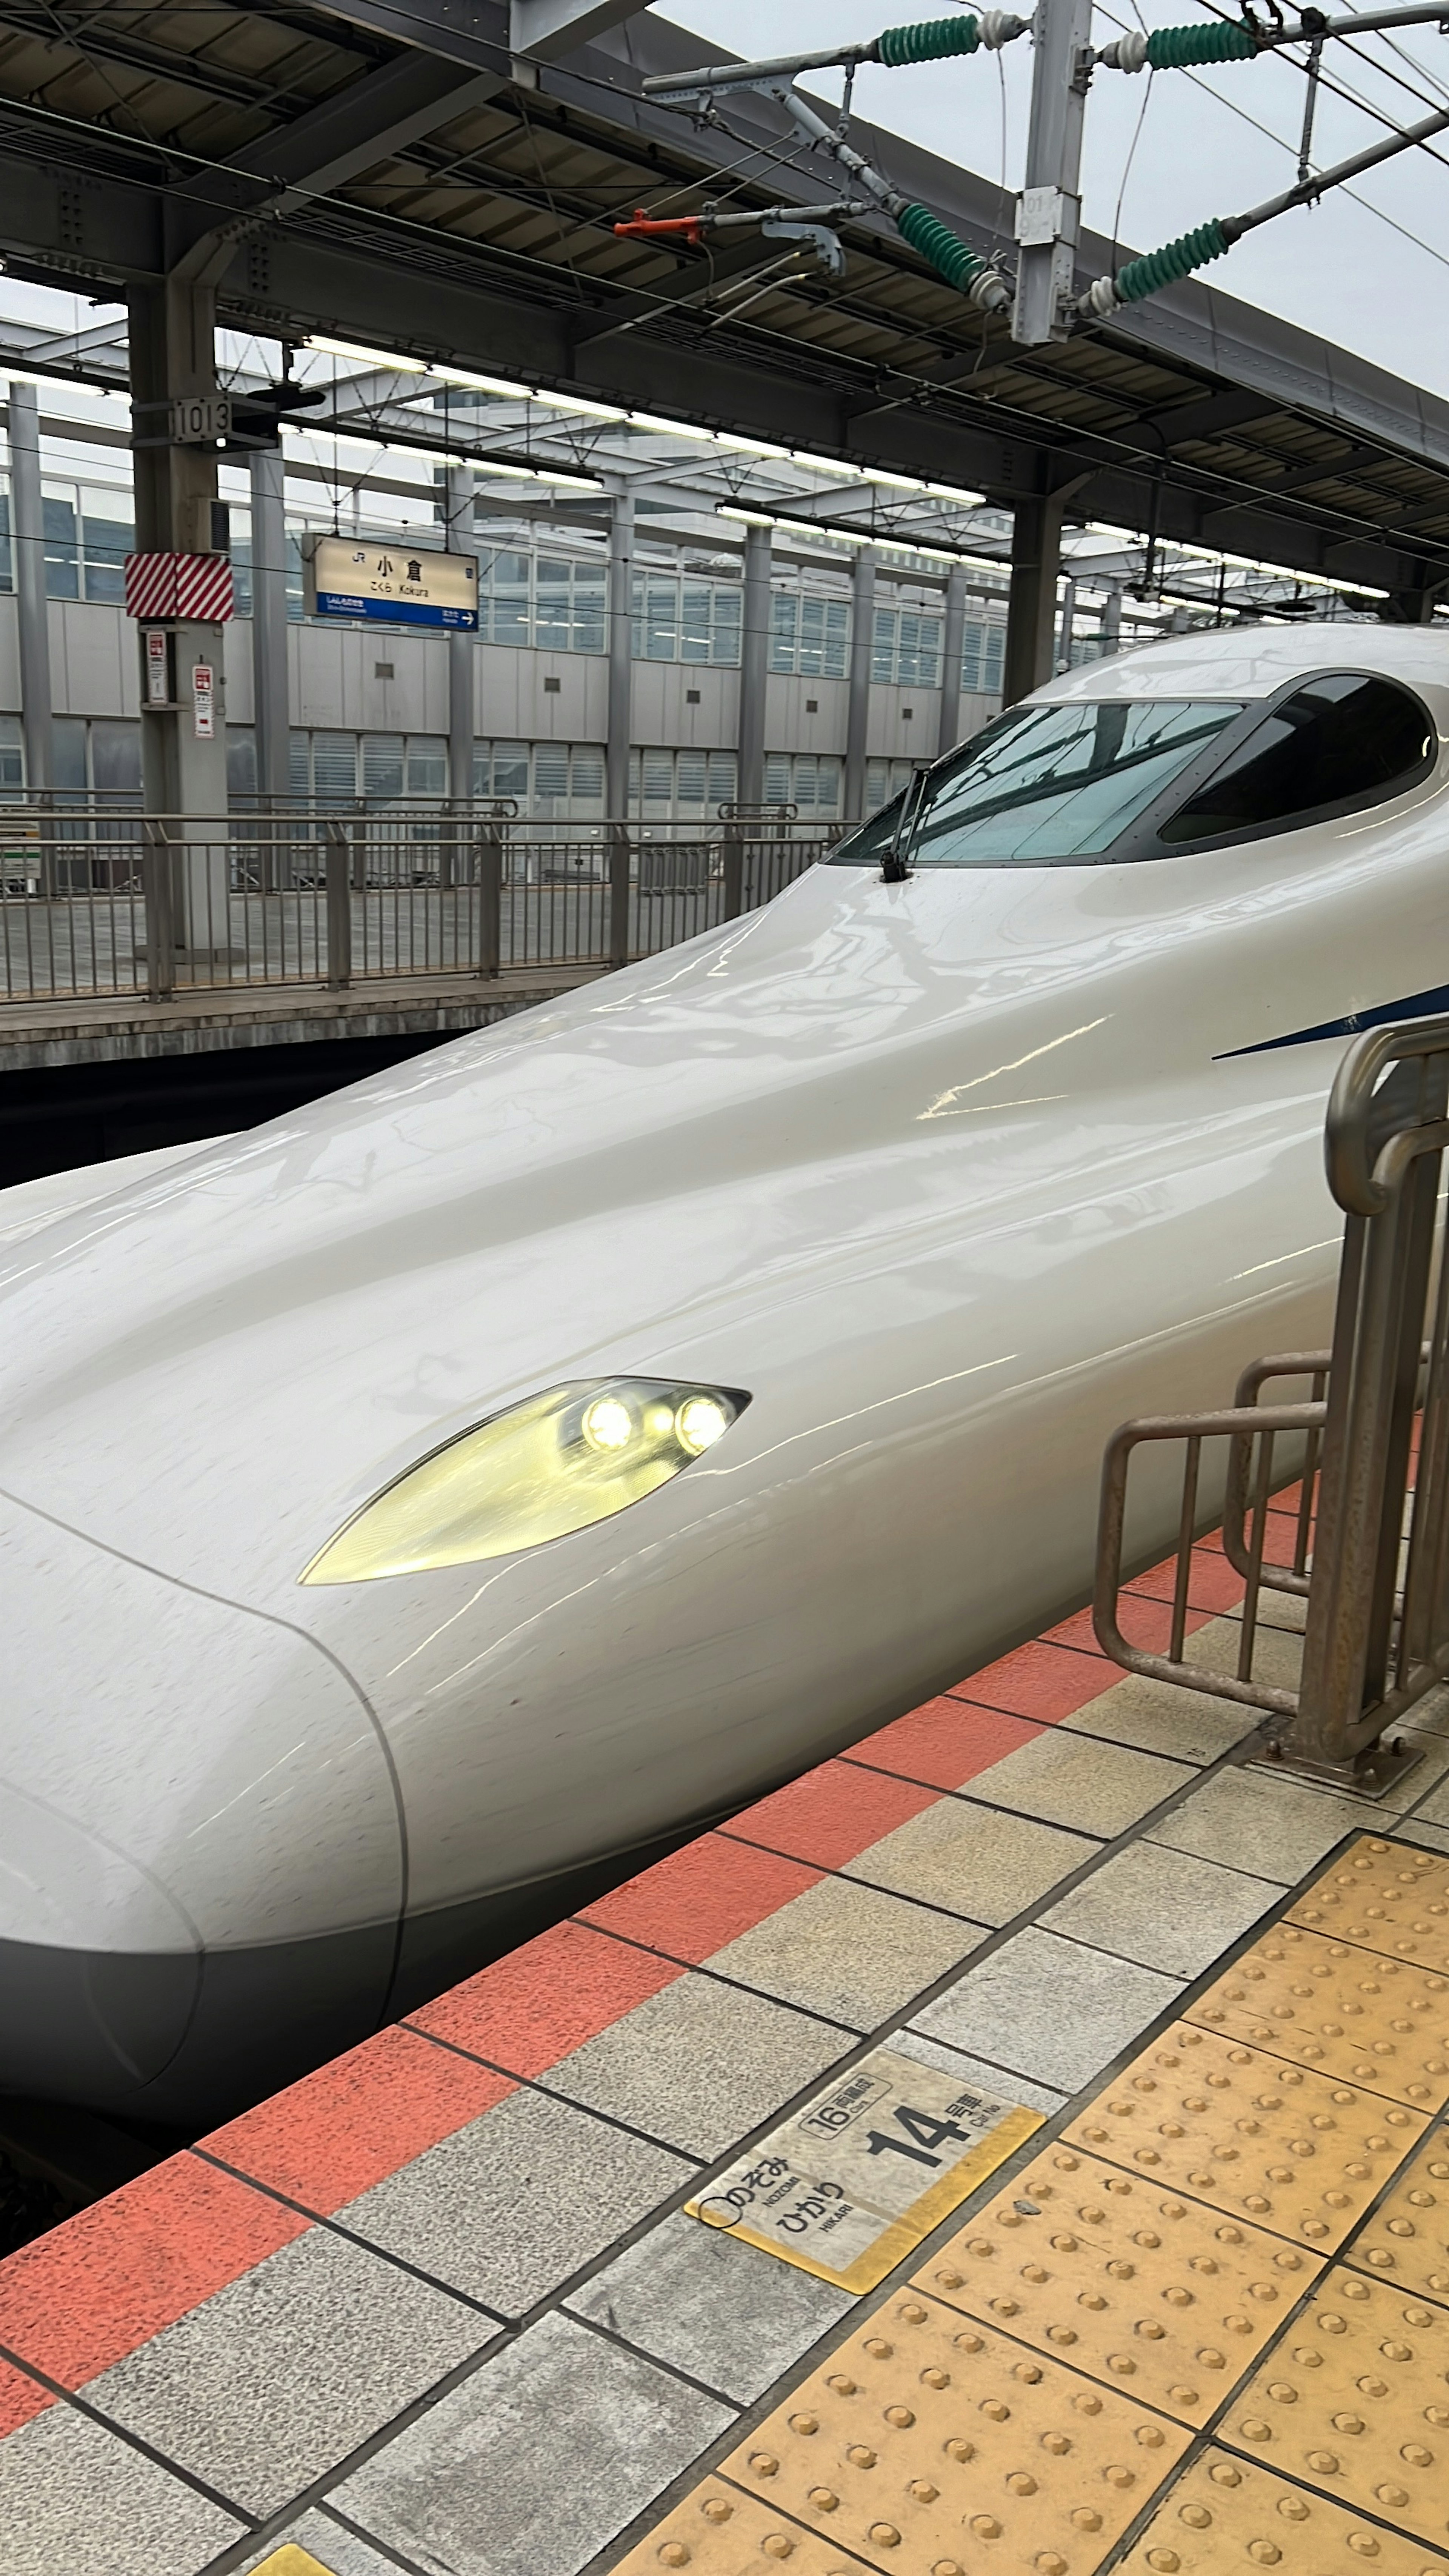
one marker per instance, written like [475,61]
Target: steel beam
[544,29]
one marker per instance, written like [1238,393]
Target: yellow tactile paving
[721,2532]
[1156,2295]
[1356,2402]
[1227,2517]
[1276,2144]
[1407,2239]
[292,2561]
[1345,2011]
[1385,1896]
[926,2436]
[1029,2397]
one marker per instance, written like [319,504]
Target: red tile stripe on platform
[110,2279]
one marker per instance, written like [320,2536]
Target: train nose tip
[99,1971]
[200,1837]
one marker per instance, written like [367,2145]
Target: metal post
[27,540]
[270,697]
[158,905]
[1031,613]
[490,898]
[1048,214]
[621,681]
[862,655]
[339,909]
[1112,622]
[754,667]
[948,732]
[462,649]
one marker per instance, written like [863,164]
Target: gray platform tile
[339,2551]
[1429,1715]
[970,1861]
[1252,1820]
[1086,1784]
[1162,1717]
[1049,2007]
[1277,1651]
[1412,1829]
[76,2500]
[275,2379]
[725,2312]
[532,2464]
[851,1952]
[699,2064]
[507,2208]
[1162,1908]
[1006,2084]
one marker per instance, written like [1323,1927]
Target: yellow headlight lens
[550,1466]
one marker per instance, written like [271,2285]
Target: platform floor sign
[852,2181]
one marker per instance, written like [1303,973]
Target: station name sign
[401,584]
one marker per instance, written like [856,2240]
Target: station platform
[1018,2145]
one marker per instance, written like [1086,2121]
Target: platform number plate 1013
[852,2181]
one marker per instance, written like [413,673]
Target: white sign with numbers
[874,2161]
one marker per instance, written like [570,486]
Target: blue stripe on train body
[1412,1006]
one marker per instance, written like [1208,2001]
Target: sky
[1174,148]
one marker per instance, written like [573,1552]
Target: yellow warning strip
[1036,2387]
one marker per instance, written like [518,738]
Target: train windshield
[1046,786]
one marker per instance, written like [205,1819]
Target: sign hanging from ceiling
[403,585]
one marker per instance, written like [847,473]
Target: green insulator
[1174,49]
[929,41]
[936,242]
[1175,259]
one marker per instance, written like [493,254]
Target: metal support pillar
[1068,622]
[27,544]
[948,733]
[183,743]
[1112,622]
[1048,214]
[1031,613]
[270,698]
[462,648]
[862,654]
[621,685]
[754,666]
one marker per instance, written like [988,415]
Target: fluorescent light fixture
[668,428]
[367,357]
[534,474]
[749,446]
[747,518]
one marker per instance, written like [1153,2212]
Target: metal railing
[1365,1543]
[103,905]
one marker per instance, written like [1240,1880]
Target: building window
[810,781]
[681,786]
[685,621]
[883,780]
[12,762]
[810,635]
[907,648]
[983,651]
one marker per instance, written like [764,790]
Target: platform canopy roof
[388,172]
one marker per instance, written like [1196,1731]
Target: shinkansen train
[574,1431]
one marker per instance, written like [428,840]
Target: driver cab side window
[1343,741]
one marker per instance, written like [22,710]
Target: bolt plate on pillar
[1356,2403]
[718,2531]
[1387,1897]
[1230,2518]
[924,2435]
[1289,2149]
[1407,2239]
[1346,2012]
[1163,2298]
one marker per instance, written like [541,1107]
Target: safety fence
[95,905]
[1365,1544]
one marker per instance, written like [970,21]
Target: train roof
[1251,662]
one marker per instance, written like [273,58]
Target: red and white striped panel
[177,585]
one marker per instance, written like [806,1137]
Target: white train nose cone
[171,1767]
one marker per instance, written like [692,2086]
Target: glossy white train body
[949,1175]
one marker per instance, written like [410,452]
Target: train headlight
[547,1467]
